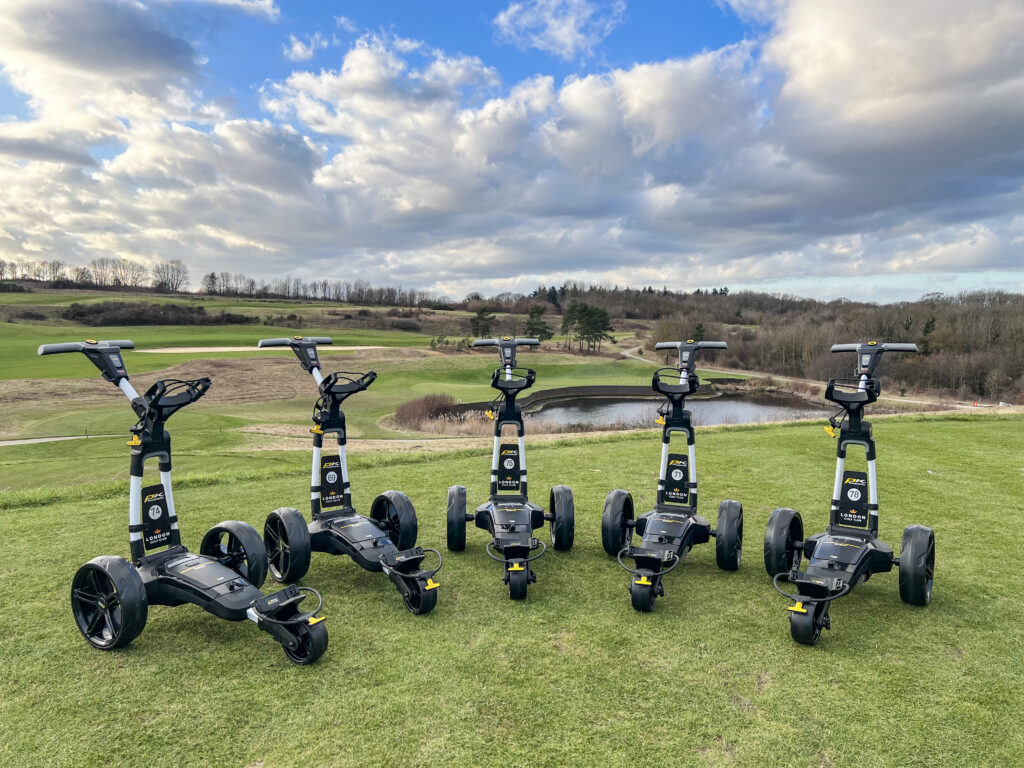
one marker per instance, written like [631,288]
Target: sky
[870,150]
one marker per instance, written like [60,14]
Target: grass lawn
[571,676]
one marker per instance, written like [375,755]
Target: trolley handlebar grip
[485,343]
[67,346]
[320,339]
[527,342]
[899,347]
[845,347]
[78,346]
[273,342]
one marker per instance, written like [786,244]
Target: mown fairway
[572,676]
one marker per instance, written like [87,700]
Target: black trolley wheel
[917,565]
[456,539]
[563,513]
[421,600]
[312,642]
[517,583]
[286,537]
[237,545]
[729,535]
[785,526]
[616,522]
[109,603]
[642,596]
[396,516]
[805,628]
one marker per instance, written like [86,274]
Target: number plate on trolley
[156,523]
[332,488]
[677,479]
[853,500]
[508,467]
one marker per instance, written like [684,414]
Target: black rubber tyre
[803,628]
[237,545]
[286,537]
[642,596]
[563,527]
[615,529]
[312,644]
[729,535]
[784,527]
[917,565]
[456,518]
[109,603]
[422,600]
[517,583]
[395,515]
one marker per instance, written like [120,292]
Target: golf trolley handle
[696,345]
[507,346]
[884,347]
[78,346]
[293,340]
[688,351]
[105,355]
[517,341]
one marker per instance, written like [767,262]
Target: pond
[604,412]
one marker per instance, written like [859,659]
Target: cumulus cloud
[565,28]
[303,50]
[857,141]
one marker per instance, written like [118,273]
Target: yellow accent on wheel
[643,581]
[798,608]
[431,584]
[516,567]
[316,619]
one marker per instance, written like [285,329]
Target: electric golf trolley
[509,516]
[384,541]
[849,552]
[110,597]
[673,527]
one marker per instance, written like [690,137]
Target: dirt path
[30,440]
[191,350]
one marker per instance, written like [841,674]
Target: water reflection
[727,409]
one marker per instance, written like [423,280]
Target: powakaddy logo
[854,481]
[331,464]
[158,496]
[510,452]
[677,463]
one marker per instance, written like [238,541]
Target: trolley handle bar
[517,341]
[78,346]
[295,340]
[691,344]
[888,346]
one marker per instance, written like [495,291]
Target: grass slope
[572,676]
